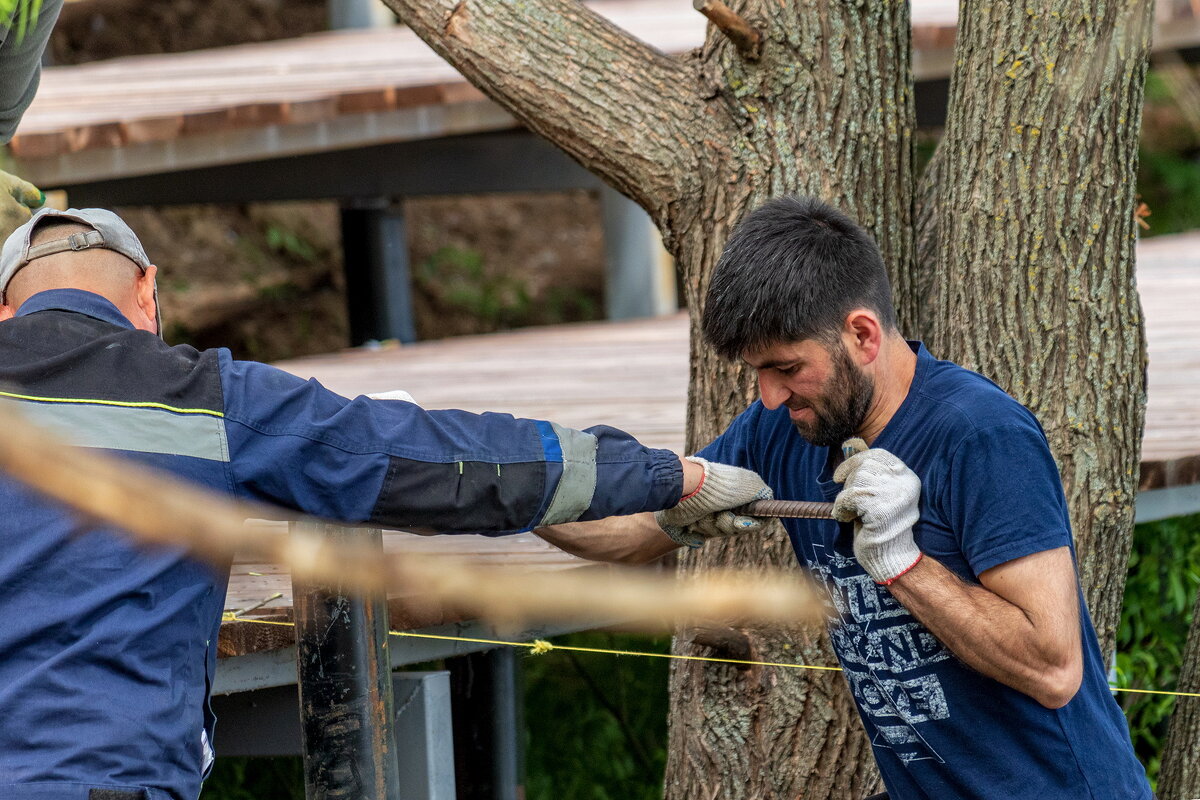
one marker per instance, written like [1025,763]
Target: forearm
[1041,658]
[635,539]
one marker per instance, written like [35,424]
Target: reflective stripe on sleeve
[135,429]
[577,486]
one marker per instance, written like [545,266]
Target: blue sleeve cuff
[1025,546]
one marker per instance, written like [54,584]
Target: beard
[843,405]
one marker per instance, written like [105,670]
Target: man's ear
[146,299]
[863,335]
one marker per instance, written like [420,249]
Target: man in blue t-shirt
[955,607]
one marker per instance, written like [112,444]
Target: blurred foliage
[255,779]
[457,279]
[284,241]
[1169,183]
[1157,90]
[597,724]
[1160,593]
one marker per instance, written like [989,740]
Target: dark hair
[792,270]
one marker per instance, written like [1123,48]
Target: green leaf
[1159,595]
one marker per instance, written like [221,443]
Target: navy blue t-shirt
[990,493]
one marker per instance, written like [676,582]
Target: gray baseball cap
[108,232]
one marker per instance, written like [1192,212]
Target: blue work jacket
[107,650]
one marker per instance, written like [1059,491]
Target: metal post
[424,735]
[488,754]
[378,281]
[344,675]
[639,273]
[266,722]
[359,14]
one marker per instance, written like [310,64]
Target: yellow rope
[1156,691]
[540,647]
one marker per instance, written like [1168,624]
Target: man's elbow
[1060,684]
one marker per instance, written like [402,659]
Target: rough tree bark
[1041,144]
[1179,773]
[1034,285]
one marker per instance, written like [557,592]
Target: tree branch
[615,104]
[740,32]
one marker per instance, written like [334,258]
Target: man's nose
[772,391]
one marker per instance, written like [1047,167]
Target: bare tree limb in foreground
[162,510]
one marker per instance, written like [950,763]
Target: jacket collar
[76,301]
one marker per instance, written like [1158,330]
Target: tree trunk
[1179,774]
[826,131]
[1036,288]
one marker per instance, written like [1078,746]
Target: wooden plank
[152,129]
[304,112]
[199,122]
[257,115]
[364,71]
[413,96]
[454,93]
[107,134]
[39,145]
[365,101]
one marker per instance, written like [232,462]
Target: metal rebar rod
[796,509]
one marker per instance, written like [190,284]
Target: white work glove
[880,496]
[706,513]
[18,198]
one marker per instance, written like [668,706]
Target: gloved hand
[705,512]
[880,496]
[18,198]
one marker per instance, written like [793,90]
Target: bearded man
[955,607]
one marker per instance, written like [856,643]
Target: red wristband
[906,570]
[699,486]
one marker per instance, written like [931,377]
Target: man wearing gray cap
[114,256]
[107,652]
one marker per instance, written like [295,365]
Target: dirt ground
[91,30]
[266,280]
